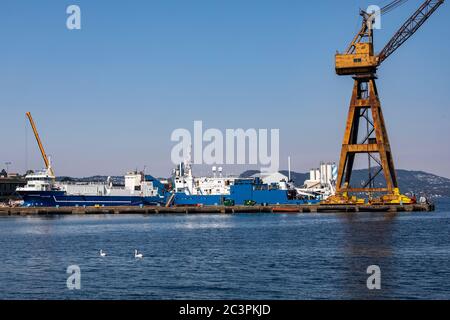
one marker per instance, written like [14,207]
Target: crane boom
[409,28]
[391,6]
[38,140]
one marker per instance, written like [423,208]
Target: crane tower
[365,131]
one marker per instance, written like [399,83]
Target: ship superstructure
[222,190]
[41,190]
[190,190]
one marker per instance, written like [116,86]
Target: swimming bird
[102,254]
[138,255]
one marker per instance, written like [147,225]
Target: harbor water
[241,256]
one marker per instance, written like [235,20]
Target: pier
[153,210]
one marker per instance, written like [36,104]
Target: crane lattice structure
[360,61]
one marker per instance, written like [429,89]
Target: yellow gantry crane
[365,131]
[41,147]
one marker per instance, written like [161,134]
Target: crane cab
[362,61]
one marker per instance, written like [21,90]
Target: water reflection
[367,240]
[227,257]
[205,222]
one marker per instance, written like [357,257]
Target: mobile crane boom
[41,147]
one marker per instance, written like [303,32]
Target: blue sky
[106,98]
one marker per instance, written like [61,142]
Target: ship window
[357,60]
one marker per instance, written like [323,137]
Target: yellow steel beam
[364,190]
[361,148]
[38,140]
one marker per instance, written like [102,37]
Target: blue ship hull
[182,199]
[241,192]
[260,198]
[61,199]
[247,192]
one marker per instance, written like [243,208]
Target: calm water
[227,257]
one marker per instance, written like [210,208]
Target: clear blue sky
[106,98]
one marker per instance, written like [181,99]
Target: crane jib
[409,28]
[393,5]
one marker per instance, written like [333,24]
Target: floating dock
[23,211]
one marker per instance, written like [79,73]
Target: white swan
[138,255]
[102,254]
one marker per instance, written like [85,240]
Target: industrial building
[9,184]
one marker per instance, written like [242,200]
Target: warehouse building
[9,184]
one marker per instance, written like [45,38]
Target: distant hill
[409,181]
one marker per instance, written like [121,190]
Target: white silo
[317,174]
[323,173]
[312,174]
[329,171]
